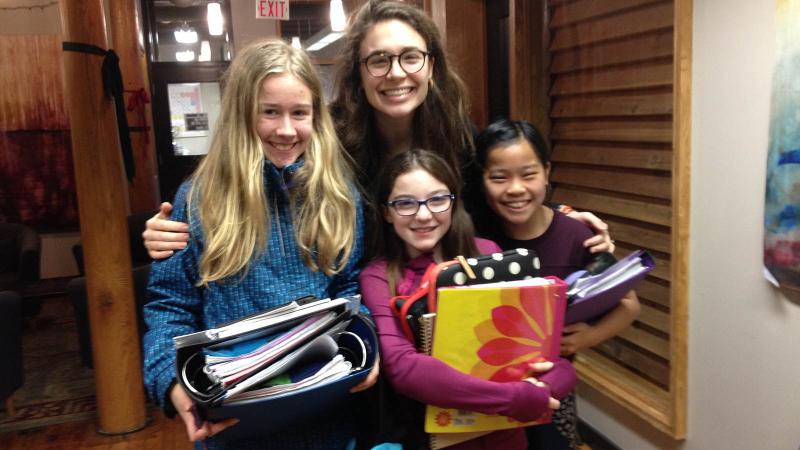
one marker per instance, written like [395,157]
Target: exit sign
[272,9]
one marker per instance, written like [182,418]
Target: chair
[10,348]
[76,288]
[139,256]
[20,254]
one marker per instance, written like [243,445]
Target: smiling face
[285,118]
[515,181]
[421,232]
[397,94]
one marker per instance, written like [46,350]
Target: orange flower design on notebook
[519,332]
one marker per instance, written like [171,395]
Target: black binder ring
[350,353]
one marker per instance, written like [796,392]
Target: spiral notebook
[476,329]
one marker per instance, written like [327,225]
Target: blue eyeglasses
[410,206]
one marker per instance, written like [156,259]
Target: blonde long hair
[228,186]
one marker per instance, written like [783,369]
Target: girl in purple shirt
[516,167]
[423,222]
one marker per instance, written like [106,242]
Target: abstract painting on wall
[782,203]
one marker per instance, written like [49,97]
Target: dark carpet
[57,387]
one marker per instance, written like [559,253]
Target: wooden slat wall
[611,91]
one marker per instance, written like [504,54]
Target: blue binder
[268,414]
[350,337]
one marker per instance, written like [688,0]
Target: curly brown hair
[441,124]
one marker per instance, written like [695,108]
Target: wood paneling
[618,26]
[616,104]
[624,78]
[653,368]
[656,131]
[658,186]
[654,291]
[620,106]
[613,155]
[647,341]
[655,318]
[640,236]
[645,398]
[463,24]
[635,209]
[679,326]
[644,47]
[583,10]
[33,93]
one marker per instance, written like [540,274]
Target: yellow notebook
[492,332]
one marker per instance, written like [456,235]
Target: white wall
[246,27]
[744,341]
[29,17]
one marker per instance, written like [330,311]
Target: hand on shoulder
[163,236]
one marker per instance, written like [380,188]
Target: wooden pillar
[125,32]
[462,24]
[102,199]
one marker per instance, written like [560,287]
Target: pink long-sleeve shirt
[430,381]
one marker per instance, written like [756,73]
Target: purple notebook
[594,296]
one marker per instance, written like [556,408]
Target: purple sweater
[444,386]
[560,247]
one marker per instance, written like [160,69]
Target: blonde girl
[273,215]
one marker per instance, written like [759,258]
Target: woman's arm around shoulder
[163,235]
[174,308]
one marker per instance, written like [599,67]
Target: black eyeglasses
[380,64]
[410,206]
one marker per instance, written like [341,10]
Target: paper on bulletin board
[187,117]
[782,202]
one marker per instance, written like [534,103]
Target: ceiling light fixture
[215,20]
[185,56]
[325,41]
[205,51]
[185,34]
[296,42]
[338,19]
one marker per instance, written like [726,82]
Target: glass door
[189,48]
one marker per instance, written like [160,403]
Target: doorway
[187,55]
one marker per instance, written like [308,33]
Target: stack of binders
[287,363]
